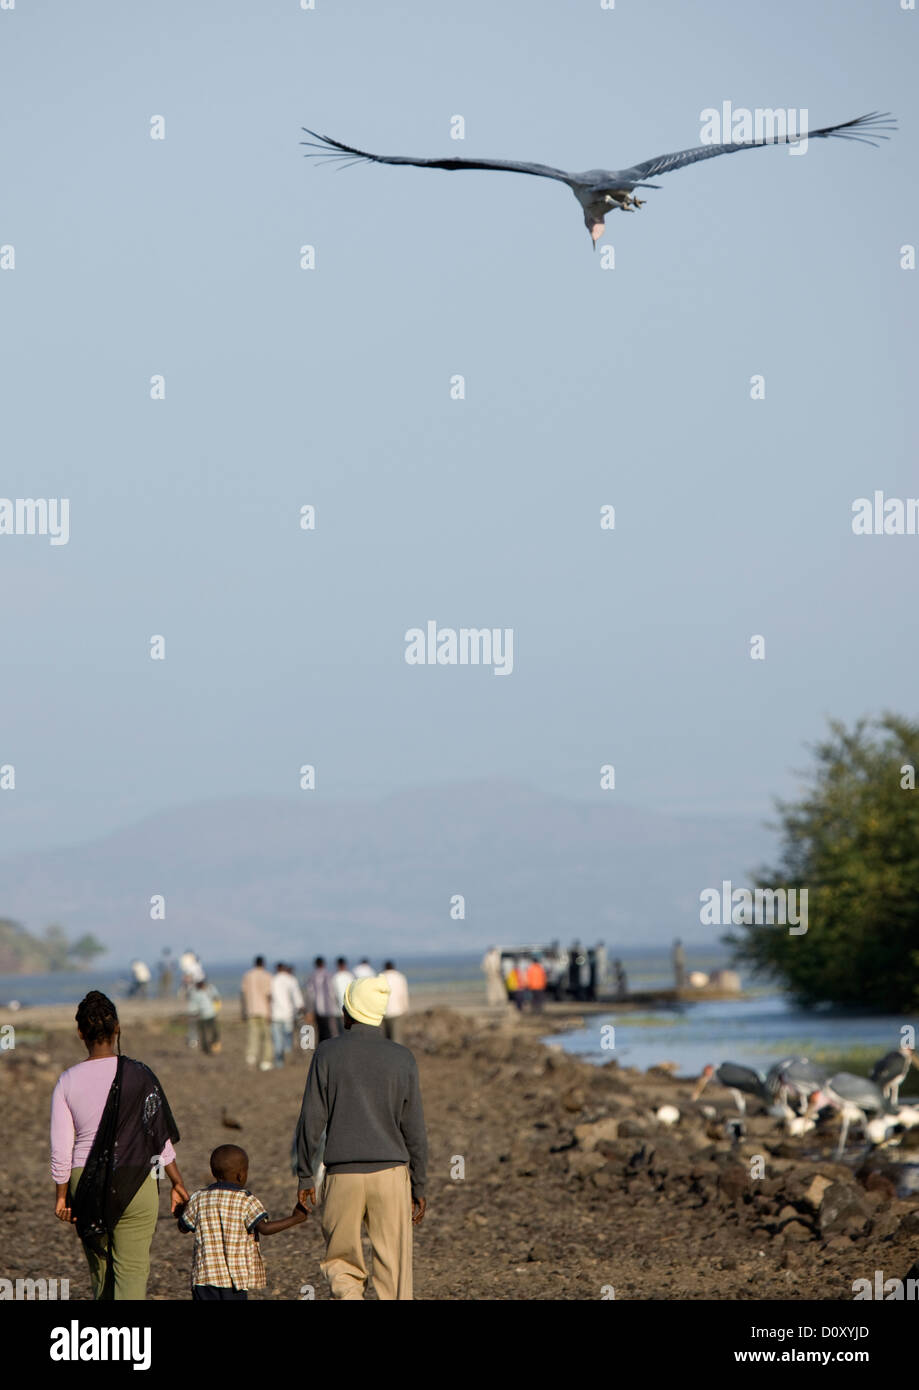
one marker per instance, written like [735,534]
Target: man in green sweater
[363,1091]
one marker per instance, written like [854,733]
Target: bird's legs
[620,198]
[841,1146]
[848,1115]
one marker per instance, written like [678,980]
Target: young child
[227,1221]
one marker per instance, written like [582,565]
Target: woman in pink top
[111,1132]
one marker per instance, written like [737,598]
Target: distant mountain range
[296,877]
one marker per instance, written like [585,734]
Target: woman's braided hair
[97,1017]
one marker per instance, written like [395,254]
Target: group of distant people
[202,999]
[274,1004]
[525,983]
[525,977]
[142,978]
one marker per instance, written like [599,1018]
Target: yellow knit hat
[366,999]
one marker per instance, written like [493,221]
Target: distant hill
[300,876]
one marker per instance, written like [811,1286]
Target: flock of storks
[797,1090]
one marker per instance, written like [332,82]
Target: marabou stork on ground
[740,1081]
[795,1077]
[855,1097]
[889,1072]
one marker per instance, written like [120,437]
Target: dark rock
[734,1182]
[769,1187]
[816,1192]
[590,1135]
[581,1164]
[633,1129]
[785,1150]
[885,1224]
[909,1226]
[843,1211]
[879,1186]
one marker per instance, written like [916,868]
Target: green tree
[17,948]
[86,949]
[852,841]
[57,948]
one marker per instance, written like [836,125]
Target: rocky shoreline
[549,1178]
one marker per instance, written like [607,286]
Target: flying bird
[600,191]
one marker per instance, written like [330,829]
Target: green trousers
[131,1240]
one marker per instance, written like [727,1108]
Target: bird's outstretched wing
[866,129]
[324,147]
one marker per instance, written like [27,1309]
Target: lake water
[755,1032]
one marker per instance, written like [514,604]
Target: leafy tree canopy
[852,841]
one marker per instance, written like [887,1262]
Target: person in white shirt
[364,970]
[495,991]
[191,967]
[192,974]
[140,972]
[286,1003]
[397,1007]
[341,980]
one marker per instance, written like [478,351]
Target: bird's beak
[700,1086]
[596,232]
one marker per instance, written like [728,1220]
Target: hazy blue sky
[331,387]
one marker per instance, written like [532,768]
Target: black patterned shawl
[135,1125]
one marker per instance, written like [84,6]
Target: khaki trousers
[384,1201]
[392,1028]
[131,1240]
[258,1041]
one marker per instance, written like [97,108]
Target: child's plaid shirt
[224,1218]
